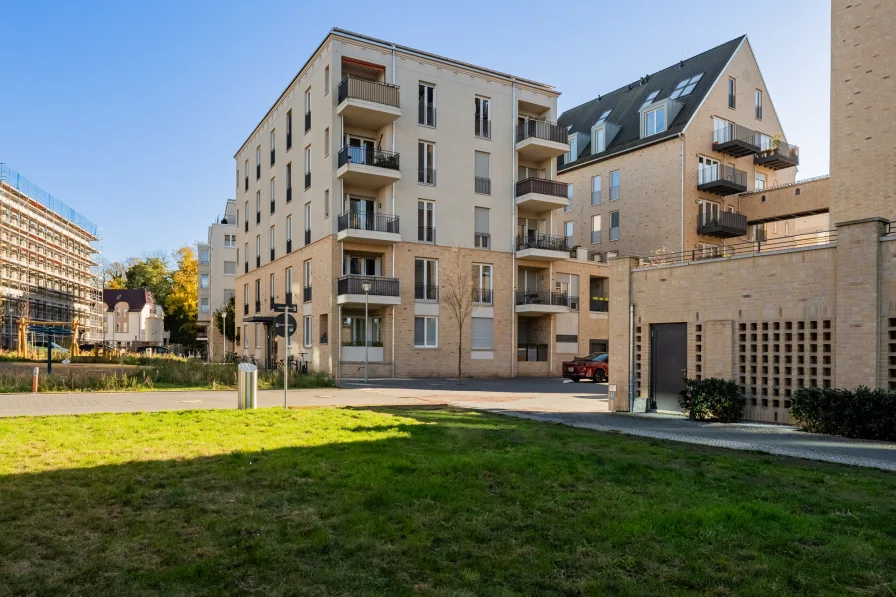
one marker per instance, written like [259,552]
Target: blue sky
[131,112]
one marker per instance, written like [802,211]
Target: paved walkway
[581,405]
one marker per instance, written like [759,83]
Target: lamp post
[365,286]
[224,317]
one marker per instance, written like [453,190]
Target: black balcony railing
[721,180]
[735,140]
[426,176]
[426,294]
[353,284]
[722,224]
[541,129]
[482,296]
[288,298]
[542,186]
[782,155]
[482,127]
[246,309]
[542,297]
[247,182]
[289,139]
[273,206]
[483,186]
[289,245]
[307,179]
[371,91]
[258,261]
[535,240]
[245,267]
[426,234]
[365,156]
[427,116]
[307,121]
[352,220]
[308,236]
[246,224]
[257,171]
[272,302]
[273,156]
[258,306]
[482,240]
[288,194]
[599,304]
[306,294]
[258,217]
[272,254]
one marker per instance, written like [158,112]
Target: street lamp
[365,286]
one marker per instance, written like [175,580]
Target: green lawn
[421,502]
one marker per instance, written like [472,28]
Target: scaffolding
[49,270]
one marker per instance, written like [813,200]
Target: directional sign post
[285,328]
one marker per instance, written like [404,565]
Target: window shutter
[482,165]
[481,214]
[483,333]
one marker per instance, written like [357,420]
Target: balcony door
[524,172]
[528,280]
[708,170]
[358,265]
[722,130]
[709,212]
[360,150]
[527,228]
[362,212]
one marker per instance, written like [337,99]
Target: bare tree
[456,290]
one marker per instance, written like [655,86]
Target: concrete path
[581,405]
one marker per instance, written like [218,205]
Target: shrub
[861,413]
[713,399]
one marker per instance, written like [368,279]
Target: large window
[650,98]
[426,162]
[426,332]
[289,182]
[307,109]
[482,283]
[760,182]
[307,166]
[595,190]
[203,281]
[426,95]
[229,241]
[614,225]
[614,185]
[426,279]
[709,212]
[483,177]
[204,255]
[655,121]
[707,169]
[426,221]
[203,304]
[481,236]
[483,333]
[273,146]
[483,117]
[685,87]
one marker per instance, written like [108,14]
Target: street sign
[280,330]
[283,307]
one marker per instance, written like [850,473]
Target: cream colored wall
[780,202]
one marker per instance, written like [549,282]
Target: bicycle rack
[369,376]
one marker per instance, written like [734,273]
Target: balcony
[782,155]
[538,302]
[542,247]
[306,294]
[735,140]
[724,224]
[368,168]
[383,291]
[721,180]
[367,104]
[426,294]
[537,140]
[539,194]
[379,229]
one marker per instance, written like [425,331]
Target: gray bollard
[247,391]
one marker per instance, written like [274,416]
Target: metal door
[668,364]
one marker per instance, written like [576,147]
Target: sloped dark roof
[135,299]
[626,102]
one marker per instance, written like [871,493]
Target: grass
[421,502]
[155,373]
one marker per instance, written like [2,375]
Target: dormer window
[603,117]
[686,86]
[600,140]
[655,121]
[650,99]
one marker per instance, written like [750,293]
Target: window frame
[732,93]
[617,227]
[426,339]
[306,331]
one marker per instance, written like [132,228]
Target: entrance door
[668,364]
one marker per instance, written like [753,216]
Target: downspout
[631,350]
[393,214]
[681,137]
[514,338]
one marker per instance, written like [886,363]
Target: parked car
[90,346]
[595,366]
[156,350]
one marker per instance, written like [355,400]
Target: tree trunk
[460,346]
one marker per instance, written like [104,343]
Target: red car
[595,367]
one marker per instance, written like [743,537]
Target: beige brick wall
[778,203]
[863,85]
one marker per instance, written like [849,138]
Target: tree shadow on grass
[443,501]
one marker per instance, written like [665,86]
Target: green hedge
[713,399]
[860,413]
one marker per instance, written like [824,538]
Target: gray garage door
[668,364]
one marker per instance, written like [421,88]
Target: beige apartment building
[47,262]
[658,165]
[813,309]
[217,259]
[371,167]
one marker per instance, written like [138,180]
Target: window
[426,221]
[482,283]
[308,110]
[326,141]
[288,233]
[229,241]
[257,295]
[327,80]
[426,279]
[230,268]
[603,117]
[650,99]
[203,304]
[600,140]
[287,284]
[257,335]
[614,185]
[595,190]
[245,336]
[307,223]
[707,169]
[246,255]
[708,251]
[272,243]
[257,207]
[258,250]
[481,236]
[426,332]
[288,130]
[483,333]
[204,255]
[709,212]
[273,146]
[289,182]
[757,100]
[306,273]
[732,93]
[685,87]
[272,288]
[306,331]
[327,203]
[246,216]
[258,162]
[614,225]
[273,195]
[786,228]
[760,182]
[426,96]
[595,230]
[567,231]
[307,166]
[655,121]
[246,173]
[569,192]
[426,165]
[483,124]
[203,281]
[483,180]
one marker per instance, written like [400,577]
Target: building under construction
[48,268]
